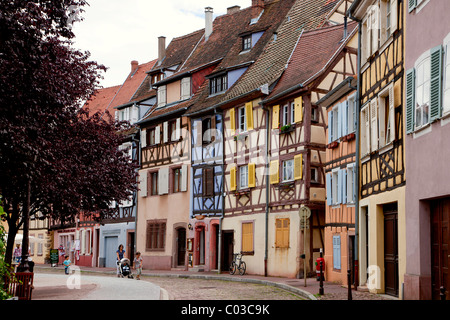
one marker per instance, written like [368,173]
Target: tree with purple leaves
[56,159]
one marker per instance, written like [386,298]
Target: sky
[116,32]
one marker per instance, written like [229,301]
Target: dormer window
[246,43]
[218,84]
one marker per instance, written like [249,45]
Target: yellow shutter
[232,121]
[233,179]
[276,117]
[298,111]
[298,167]
[249,115]
[274,172]
[251,175]
[247,237]
[282,233]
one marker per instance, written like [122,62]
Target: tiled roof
[312,53]
[131,84]
[101,99]
[293,18]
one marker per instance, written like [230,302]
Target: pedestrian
[138,265]
[67,264]
[120,252]
[17,254]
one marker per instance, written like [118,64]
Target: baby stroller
[125,268]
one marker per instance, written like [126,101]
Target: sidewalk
[332,291]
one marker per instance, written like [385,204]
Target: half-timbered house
[245,226]
[164,196]
[381,218]
[340,173]
[427,98]
[297,150]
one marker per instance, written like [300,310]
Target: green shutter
[410,99]
[411,5]
[436,83]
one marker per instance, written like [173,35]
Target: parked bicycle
[235,265]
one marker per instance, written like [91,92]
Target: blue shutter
[411,5]
[337,252]
[339,188]
[436,83]
[328,187]
[330,126]
[410,99]
[344,186]
[344,117]
[355,184]
[339,120]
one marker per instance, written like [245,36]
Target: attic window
[255,20]
[218,84]
[246,42]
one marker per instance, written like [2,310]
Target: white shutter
[162,96]
[375,17]
[134,114]
[185,88]
[157,135]
[165,132]
[394,15]
[163,177]
[143,138]
[184,175]
[391,120]
[178,129]
[143,184]
[374,124]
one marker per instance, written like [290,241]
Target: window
[242,119]
[243,177]
[288,170]
[336,187]
[337,252]
[334,124]
[422,108]
[424,89]
[156,235]
[206,130]
[247,237]
[246,43]
[446,103]
[315,175]
[154,183]
[282,233]
[154,136]
[176,180]
[386,114]
[218,84]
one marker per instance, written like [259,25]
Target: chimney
[161,48]
[258,3]
[134,65]
[233,9]
[208,22]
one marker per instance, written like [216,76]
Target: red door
[440,238]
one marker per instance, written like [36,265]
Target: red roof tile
[101,99]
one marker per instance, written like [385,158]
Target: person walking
[120,253]
[138,265]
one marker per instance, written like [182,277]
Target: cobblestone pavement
[185,285]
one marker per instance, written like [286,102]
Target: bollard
[442,294]
[349,280]
[321,279]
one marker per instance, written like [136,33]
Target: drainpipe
[219,260]
[138,151]
[266,248]
[358,143]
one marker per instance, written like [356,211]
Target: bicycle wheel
[232,268]
[242,268]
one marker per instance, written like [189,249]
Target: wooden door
[391,249]
[440,238]
[181,246]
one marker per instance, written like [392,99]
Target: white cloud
[116,32]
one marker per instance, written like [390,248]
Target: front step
[197,269]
